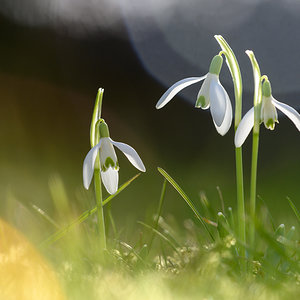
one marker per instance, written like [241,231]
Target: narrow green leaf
[256,77]
[233,66]
[132,250]
[223,226]
[44,215]
[62,232]
[162,236]
[185,197]
[275,250]
[96,116]
[221,199]
[121,188]
[158,214]
[294,208]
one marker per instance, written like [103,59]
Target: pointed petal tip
[86,186]
[159,105]
[289,111]
[175,89]
[131,155]
[110,179]
[244,128]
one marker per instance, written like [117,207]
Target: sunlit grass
[183,262]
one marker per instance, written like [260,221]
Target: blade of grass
[132,250]
[276,246]
[162,236]
[294,208]
[62,232]
[45,216]
[221,199]
[209,211]
[158,214]
[186,198]
[264,205]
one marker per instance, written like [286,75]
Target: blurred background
[54,55]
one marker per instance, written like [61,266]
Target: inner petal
[107,154]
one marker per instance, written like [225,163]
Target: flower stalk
[94,139]
[255,142]
[235,72]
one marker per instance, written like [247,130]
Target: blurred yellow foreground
[24,274]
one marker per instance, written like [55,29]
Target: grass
[184,261]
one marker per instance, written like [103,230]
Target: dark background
[51,68]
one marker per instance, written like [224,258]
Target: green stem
[94,139]
[255,142]
[100,212]
[235,72]
[240,198]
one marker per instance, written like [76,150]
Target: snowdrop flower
[212,94]
[109,166]
[268,115]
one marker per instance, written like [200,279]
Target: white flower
[268,115]
[212,94]
[109,166]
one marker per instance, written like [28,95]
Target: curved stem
[235,72]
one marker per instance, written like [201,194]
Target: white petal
[175,89]
[244,128]
[131,154]
[217,95]
[223,129]
[204,91]
[110,179]
[88,165]
[290,112]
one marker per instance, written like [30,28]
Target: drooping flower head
[268,115]
[211,95]
[109,166]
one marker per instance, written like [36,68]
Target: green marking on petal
[109,162]
[201,102]
[270,124]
